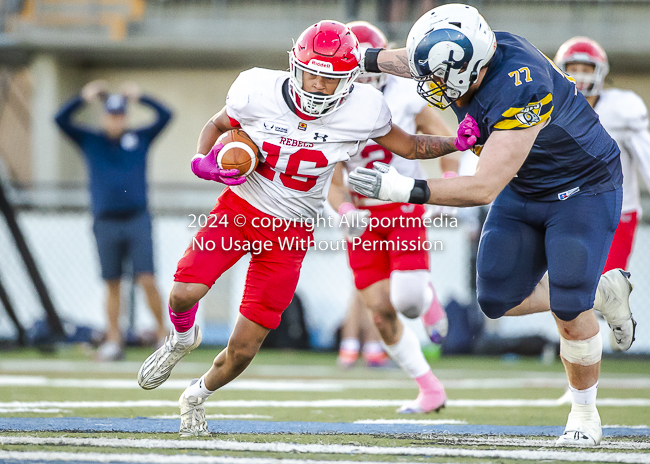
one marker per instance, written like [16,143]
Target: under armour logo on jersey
[320,136]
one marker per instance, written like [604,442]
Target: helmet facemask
[312,104]
[587,83]
[436,88]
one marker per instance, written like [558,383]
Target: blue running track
[142,424]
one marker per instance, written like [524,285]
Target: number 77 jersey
[298,155]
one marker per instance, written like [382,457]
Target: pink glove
[206,167]
[467,134]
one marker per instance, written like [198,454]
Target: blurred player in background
[393,281]
[556,183]
[625,117]
[304,122]
[116,158]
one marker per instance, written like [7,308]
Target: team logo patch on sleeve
[528,116]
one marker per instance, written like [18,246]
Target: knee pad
[410,293]
[583,352]
[492,306]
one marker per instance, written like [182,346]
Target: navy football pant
[522,239]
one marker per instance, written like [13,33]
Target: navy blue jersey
[573,154]
[116,167]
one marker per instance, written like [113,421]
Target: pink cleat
[425,402]
[435,320]
[432,396]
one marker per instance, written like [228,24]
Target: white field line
[412,421]
[615,426]
[333,403]
[216,416]
[464,440]
[321,385]
[45,457]
[276,447]
[131,384]
[36,410]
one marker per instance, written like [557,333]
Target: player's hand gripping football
[467,134]
[206,167]
[383,182]
[353,221]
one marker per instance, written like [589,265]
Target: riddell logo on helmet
[321,64]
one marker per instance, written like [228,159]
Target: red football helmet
[330,49]
[371,37]
[584,50]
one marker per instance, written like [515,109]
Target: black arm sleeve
[370,60]
[420,193]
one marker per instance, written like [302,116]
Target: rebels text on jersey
[573,154]
[405,104]
[298,156]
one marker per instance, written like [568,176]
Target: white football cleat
[193,422]
[615,288]
[582,428]
[158,367]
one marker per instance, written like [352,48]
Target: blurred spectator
[625,117]
[116,160]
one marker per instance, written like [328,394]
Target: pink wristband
[345,208]
[449,174]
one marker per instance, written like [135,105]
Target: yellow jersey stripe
[516,124]
[512,111]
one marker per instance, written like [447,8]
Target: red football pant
[375,263]
[272,273]
[619,252]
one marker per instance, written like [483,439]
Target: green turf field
[284,386]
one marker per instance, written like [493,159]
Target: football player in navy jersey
[553,173]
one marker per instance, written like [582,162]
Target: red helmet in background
[587,51]
[369,36]
[330,49]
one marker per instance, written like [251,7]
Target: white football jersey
[405,104]
[299,156]
[625,117]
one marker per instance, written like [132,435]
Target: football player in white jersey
[625,118]
[304,122]
[389,281]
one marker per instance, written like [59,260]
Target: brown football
[238,152]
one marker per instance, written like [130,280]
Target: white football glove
[382,182]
